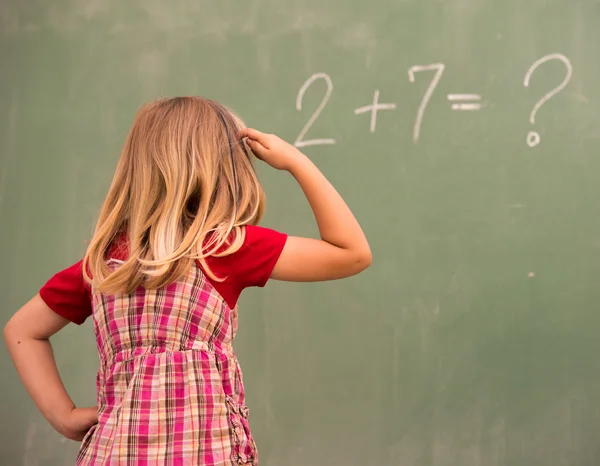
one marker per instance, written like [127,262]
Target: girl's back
[168,375]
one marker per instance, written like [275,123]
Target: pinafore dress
[170,389]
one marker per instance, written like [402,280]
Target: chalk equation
[459,102]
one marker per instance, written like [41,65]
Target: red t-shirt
[67,293]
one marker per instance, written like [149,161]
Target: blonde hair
[183,189]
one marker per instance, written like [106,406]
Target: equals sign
[465,102]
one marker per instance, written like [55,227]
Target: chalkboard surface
[464,134]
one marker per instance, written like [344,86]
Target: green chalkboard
[473,338]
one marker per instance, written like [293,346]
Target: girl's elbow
[8,328]
[9,332]
[15,331]
[362,261]
[367,259]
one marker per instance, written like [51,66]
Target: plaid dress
[170,388]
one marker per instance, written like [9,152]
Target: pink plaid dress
[170,388]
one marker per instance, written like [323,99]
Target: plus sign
[374,108]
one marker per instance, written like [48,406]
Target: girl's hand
[271,149]
[77,422]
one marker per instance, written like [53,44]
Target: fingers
[92,414]
[254,135]
[257,148]
[86,417]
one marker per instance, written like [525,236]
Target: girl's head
[183,188]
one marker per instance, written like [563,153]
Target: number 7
[439,70]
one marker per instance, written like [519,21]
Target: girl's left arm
[27,336]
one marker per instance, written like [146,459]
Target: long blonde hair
[183,189]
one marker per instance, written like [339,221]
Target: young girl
[175,244]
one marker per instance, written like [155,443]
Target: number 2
[439,70]
[300,141]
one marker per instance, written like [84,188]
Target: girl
[175,244]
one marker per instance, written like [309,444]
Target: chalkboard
[463,134]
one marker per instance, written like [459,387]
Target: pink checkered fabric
[170,389]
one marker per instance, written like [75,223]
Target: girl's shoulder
[249,266]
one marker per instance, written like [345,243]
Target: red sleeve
[67,294]
[256,259]
[251,265]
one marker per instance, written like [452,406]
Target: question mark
[533,137]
